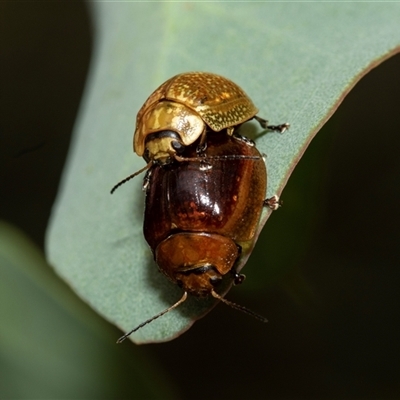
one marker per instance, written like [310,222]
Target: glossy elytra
[205,185]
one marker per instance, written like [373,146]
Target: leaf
[55,344]
[296,61]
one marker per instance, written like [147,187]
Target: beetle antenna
[239,307]
[128,178]
[219,158]
[178,303]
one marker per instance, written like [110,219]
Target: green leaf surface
[297,61]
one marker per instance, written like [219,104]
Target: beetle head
[164,125]
[200,280]
[161,147]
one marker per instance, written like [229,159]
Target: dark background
[330,290]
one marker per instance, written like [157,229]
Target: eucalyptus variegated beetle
[182,109]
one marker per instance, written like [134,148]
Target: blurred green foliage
[53,345]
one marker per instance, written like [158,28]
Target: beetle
[179,112]
[185,109]
[201,216]
[205,185]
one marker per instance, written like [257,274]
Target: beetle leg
[264,124]
[201,148]
[146,181]
[273,203]
[279,128]
[237,278]
[244,139]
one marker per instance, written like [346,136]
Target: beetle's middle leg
[273,202]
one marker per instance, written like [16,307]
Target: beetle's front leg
[202,146]
[264,124]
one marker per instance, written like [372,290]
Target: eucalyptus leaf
[297,61]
